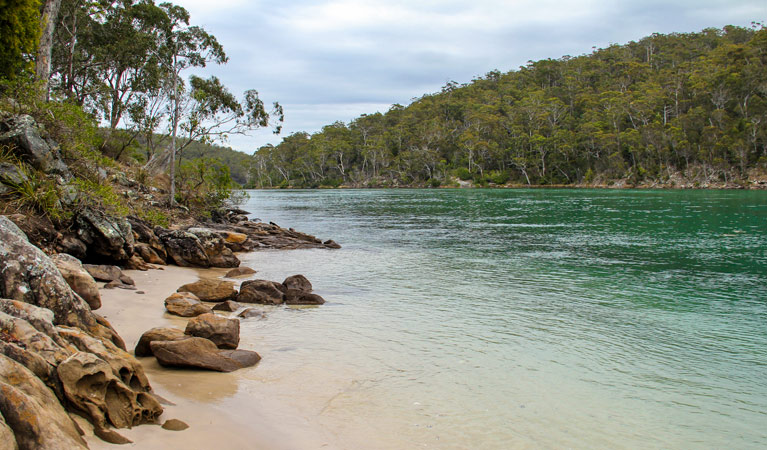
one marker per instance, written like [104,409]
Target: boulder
[185,304]
[239,272]
[92,387]
[183,248]
[26,138]
[143,347]
[250,313]
[229,306]
[71,245]
[28,275]
[261,291]
[103,272]
[297,282]
[330,243]
[119,284]
[33,412]
[136,262]
[297,297]
[38,229]
[144,234]
[219,255]
[201,353]
[209,290]
[223,332]
[107,237]
[149,254]
[79,279]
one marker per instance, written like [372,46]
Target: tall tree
[48,19]
[19,34]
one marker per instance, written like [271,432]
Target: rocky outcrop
[108,238]
[30,144]
[297,282]
[264,292]
[211,290]
[201,353]
[28,275]
[185,304]
[33,412]
[143,347]
[223,332]
[267,236]
[78,279]
[144,234]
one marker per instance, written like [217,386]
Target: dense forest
[677,109]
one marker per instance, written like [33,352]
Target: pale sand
[218,417]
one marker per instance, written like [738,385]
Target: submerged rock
[297,297]
[229,306]
[261,291]
[239,272]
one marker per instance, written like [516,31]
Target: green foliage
[102,195]
[19,34]
[689,105]
[34,191]
[204,184]
[154,217]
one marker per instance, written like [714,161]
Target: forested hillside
[677,109]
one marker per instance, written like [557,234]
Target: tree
[48,20]
[19,34]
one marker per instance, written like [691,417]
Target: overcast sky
[335,60]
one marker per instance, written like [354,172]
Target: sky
[333,60]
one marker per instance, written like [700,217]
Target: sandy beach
[206,401]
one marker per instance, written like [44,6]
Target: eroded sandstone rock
[209,290]
[107,237]
[143,347]
[197,352]
[261,291]
[223,332]
[185,304]
[78,279]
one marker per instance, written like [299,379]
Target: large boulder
[143,347]
[185,304]
[28,142]
[215,247]
[78,279]
[33,412]
[145,234]
[297,282]
[261,291]
[209,290]
[223,332]
[184,249]
[107,238]
[28,275]
[201,353]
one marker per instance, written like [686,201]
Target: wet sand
[208,401]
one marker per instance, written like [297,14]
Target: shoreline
[719,187]
[207,401]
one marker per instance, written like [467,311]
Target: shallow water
[521,318]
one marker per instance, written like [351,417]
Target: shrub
[203,184]
[463,173]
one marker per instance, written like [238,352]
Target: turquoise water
[522,318]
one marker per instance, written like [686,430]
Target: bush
[463,173]
[435,183]
[203,184]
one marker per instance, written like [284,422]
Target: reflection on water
[521,318]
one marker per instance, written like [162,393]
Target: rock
[148,254]
[296,297]
[7,439]
[185,304]
[33,412]
[38,229]
[28,275]
[92,387]
[251,313]
[143,347]
[297,282]
[229,306]
[197,352]
[70,245]
[245,358]
[106,237]
[26,138]
[209,290]
[223,332]
[239,272]
[144,234]
[11,178]
[261,291]
[175,425]
[119,284]
[126,279]
[79,279]
[103,272]
[136,262]
[331,244]
[218,253]
[183,248]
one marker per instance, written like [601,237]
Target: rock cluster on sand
[57,355]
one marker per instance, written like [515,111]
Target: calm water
[522,318]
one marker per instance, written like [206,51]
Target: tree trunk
[172,198]
[48,25]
